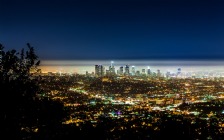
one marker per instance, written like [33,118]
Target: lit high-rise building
[99,70]
[112,69]
[127,71]
[121,70]
[158,73]
[143,71]
[148,71]
[133,70]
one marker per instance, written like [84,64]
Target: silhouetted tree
[23,113]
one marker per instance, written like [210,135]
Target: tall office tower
[133,70]
[102,70]
[143,71]
[99,70]
[148,71]
[158,73]
[112,68]
[127,72]
[121,70]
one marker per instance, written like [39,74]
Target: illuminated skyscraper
[112,69]
[99,70]
[143,71]
[158,73]
[148,71]
[133,70]
[121,70]
[127,71]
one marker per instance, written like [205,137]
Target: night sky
[115,29]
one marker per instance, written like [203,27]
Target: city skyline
[187,68]
[124,29]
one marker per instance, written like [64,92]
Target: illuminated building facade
[127,71]
[99,70]
[133,70]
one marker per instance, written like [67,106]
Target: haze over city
[83,66]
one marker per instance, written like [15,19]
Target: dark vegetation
[24,113]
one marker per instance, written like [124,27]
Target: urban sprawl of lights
[127,95]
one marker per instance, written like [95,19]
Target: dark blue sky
[115,29]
